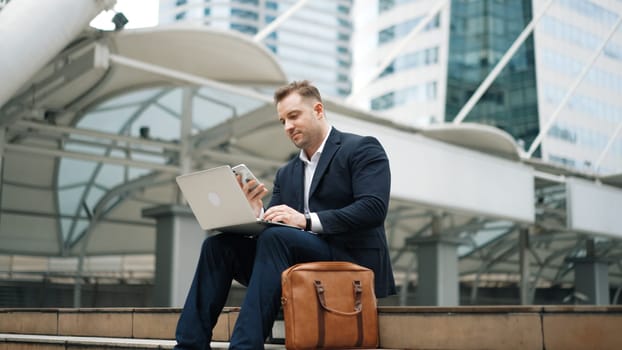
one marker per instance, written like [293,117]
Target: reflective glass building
[314,43]
[564,81]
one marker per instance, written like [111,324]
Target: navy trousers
[256,263]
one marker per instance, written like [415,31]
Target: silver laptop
[218,203]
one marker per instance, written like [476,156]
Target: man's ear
[318,107]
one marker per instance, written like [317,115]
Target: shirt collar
[302,154]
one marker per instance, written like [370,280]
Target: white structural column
[437,271]
[178,245]
[591,277]
[33,32]
[185,130]
[523,254]
[2,137]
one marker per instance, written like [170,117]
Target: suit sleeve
[371,186]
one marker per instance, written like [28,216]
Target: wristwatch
[308,219]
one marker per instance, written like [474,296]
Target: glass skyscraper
[480,33]
[314,43]
[436,73]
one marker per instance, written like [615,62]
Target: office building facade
[314,43]
[539,89]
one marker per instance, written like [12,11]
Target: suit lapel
[299,181]
[330,148]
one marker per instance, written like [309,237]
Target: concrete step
[481,327]
[41,342]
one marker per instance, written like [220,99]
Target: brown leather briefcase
[329,304]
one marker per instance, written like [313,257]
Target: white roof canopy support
[63,21]
[399,48]
[593,208]
[536,142]
[278,21]
[612,139]
[466,109]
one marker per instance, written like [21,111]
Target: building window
[402,29]
[562,160]
[383,102]
[412,60]
[249,2]
[386,5]
[244,14]
[430,90]
[415,93]
[561,132]
[244,28]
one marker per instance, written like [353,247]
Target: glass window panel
[69,200]
[107,121]
[110,175]
[72,171]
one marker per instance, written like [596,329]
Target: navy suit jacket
[350,194]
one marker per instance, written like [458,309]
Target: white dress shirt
[310,166]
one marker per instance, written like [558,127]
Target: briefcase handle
[358,306]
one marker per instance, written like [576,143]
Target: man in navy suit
[336,190]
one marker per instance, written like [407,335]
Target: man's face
[301,119]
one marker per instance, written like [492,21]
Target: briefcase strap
[358,308]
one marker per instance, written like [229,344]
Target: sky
[143,13]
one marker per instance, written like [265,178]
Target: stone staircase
[480,327]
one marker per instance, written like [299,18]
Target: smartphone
[245,174]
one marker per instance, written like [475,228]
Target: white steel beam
[612,139]
[398,49]
[97,134]
[89,157]
[265,31]
[572,88]
[494,73]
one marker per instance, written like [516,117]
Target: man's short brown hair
[303,88]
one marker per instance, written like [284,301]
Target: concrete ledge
[582,329]
[466,327]
[28,321]
[106,322]
[435,331]
[501,327]
[158,323]
[40,342]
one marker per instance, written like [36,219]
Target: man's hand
[254,192]
[286,215]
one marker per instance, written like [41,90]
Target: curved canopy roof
[478,137]
[63,163]
[84,74]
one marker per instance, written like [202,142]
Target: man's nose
[288,125]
